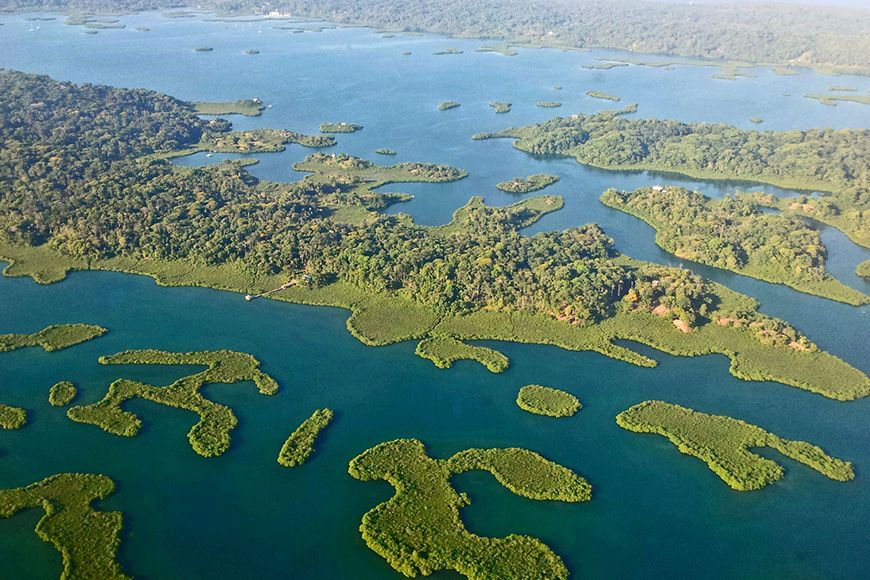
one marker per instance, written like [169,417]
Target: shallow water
[654,512]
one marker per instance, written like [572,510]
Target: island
[725,444]
[300,445]
[734,233]
[327,243]
[419,529]
[548,104]
[210,436]
[832,100]
[447,51]
[61,394]
[246,107]
[447,105]
[500,107]
[547,401]
[383,151]
[826,160]
[203,49]
[52,338]
[531,183]
[87,539]
[340,127]
[601,95]
[863,269]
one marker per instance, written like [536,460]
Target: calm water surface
[655,513]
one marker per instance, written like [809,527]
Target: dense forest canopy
[828,160]
[318,240]
[766,33]
[78,177]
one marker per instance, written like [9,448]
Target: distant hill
[820,36]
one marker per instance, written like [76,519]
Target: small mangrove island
[300,445]
[246,107]
[419,529]
[601,95]
[725,444]
[210,436]
[547,401]
[531,183]
[61,394]
[52,338]
[340,127]
[87,539]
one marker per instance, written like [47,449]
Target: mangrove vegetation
[725,444]
[87,539]
[547,401]
[419,530]
[300,445]
[210,436]
[445,350]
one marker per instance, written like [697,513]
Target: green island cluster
[246,107]
[446,105]
[735,234]
[87,539]
[725,444]
[547,401]
[323,241]
[601,95]
[300,445]
[445,350]
[340,127]
[500,106]
[531,183]
[61,394]
[210,436]
[50,339]
[824,160]
[419,530]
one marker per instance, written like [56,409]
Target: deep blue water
[655,513]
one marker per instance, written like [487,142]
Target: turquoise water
[655,513]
